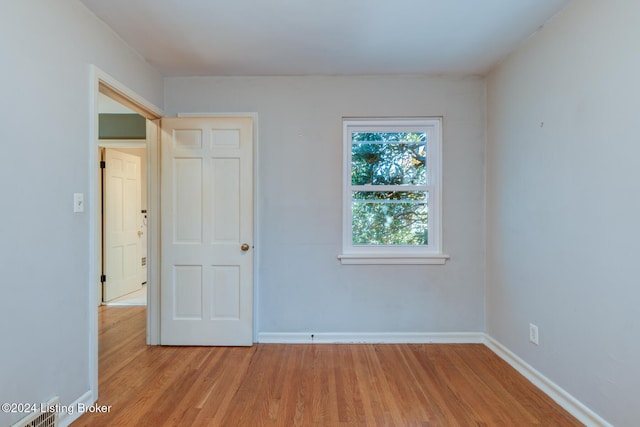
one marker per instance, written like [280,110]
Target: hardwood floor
[308,385]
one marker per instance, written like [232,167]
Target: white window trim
[403,255]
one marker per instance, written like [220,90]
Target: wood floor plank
[308,385]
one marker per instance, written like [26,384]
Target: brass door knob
[244,247]
[140,233]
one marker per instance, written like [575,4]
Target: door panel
[187,208]
[187,292]
[226,293]
[207,215]
[226,200]
[122,200]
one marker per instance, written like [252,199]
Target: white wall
[302,285]
[563,204]
[44,247]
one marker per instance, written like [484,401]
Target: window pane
[389,218]
[388,158]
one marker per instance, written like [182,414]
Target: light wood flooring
[308,385]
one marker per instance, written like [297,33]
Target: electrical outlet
[533,333]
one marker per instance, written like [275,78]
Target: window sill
[387,259]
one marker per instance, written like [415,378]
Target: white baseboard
[86,400]
[557,393]
[370,338]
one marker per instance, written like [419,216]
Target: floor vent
[44,416]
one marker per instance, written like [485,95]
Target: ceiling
[326,37]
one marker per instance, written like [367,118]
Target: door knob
[244,247]
[140,233]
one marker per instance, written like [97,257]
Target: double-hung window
[392,191]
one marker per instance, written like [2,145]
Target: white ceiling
[302,37]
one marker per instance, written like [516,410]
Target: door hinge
[103,164]
[103,278]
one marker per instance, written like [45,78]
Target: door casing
[102,82]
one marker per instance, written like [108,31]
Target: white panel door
[207,231]
[122,200]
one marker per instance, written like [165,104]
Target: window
[392,191]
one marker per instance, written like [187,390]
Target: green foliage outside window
[392,216]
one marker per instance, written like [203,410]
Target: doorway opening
[104,84]
[124,204]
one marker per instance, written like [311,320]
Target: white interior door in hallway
[122,201]
[207,231]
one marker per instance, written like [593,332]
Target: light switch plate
[78,202]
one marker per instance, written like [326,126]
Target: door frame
[102,82]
